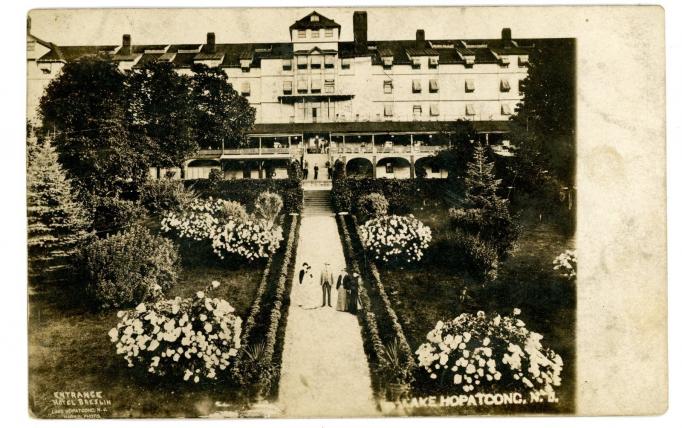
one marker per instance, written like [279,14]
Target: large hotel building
[375,104]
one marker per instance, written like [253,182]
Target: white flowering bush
[566,264]
[395,238]
[194,339]
[488,353]
[198,221]
[250,239]
[214,221]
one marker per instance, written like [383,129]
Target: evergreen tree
[480,182]
[56,221]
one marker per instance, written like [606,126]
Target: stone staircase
[317,203]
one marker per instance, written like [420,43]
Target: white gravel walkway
[324,367]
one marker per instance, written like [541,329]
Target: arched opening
[359,168]
[429,167]
[201,168]
[393,167]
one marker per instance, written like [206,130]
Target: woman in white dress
[310,291]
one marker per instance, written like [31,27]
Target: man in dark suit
[326,281]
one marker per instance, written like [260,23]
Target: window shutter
[435,111]
[246,88]
[506,109]
[470,110]
[416,86]
[469,85]
[388,109]
[504,85]
[286,64]
[433,85]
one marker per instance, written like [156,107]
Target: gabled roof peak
[314,21]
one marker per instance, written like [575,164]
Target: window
[433,62]
[302,61]
[417,110]
[521,84]
[315,34]
[523,60]
[434,110]
[345,63]
[433,86]
[301,34]
[388,61]
[470,110]
[245,65]
[246,88]
[329,86]
[286,64]
[315,61]
[388,86]
[329,61]
[504,61]
[416,63]
[504,85]
[329,32]
[469,85]
[302,86]
[314,18]
[388,110]
[389,168]
[416,86]
[316,86]
[506,110]
[288,86]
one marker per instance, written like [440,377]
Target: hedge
[403,195]
[375,278]
[374,347]
[267,316]
[247,190]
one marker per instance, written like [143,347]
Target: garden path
[324,367]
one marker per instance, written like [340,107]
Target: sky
[152,26]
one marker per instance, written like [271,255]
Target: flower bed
[194,339]
[489,353]
[395,238]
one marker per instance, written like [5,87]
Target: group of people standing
[346,284]
[316,170]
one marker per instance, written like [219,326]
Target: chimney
[125,48]
[421,39]
[360,30]
[506,36]
[210,42]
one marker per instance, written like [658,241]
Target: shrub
[128,268]
[341,196]
[294,171]
[267,207]
[474,255]
[245,191]
[250,239]
[215,176]
[339,172]
[489,353]
[566,264]
[197,221]
[395,238]
[158,196]
[233,210]
[494,225]
[371,206]
[194,338]
[112,214]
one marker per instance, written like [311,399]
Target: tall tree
[84,111]
[543,128]
[458,136]
[221,115]
[480,182]
[160,109]
[57,223]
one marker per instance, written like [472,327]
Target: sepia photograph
[300,213]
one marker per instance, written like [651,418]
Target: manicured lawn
[69,350]
[431,291]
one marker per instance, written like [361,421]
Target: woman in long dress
[342,297]
[311,293]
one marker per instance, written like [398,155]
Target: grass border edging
[374,347]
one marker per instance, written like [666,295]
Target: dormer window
[504,60]
[416,63]
[301,34]
[523,60]
[245,64]
[433,62]
[388,61]
[314,18]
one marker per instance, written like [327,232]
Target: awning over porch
[482,127]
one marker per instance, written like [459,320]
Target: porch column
[373,149]
[343,140]
[412,166]
[374,166]
[411,143]
[486,139]
[260,169]
[260,141]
